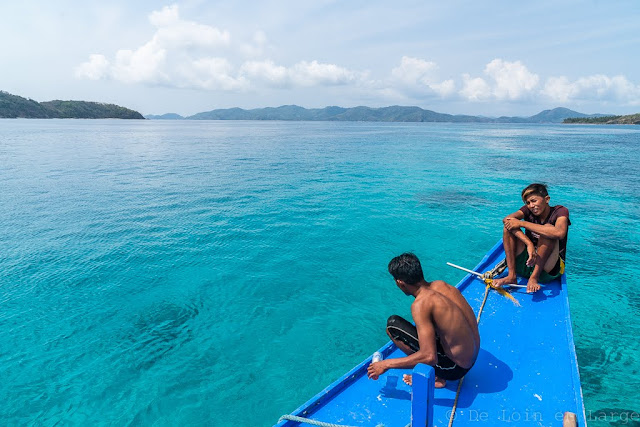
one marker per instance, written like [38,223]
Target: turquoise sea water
[222,273]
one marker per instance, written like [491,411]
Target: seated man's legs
[512,248]
[405,336]
[547,259]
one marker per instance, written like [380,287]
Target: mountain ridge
[14,106]
[394,113]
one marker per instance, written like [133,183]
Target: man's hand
[531,250]
[376,369]
[511,223]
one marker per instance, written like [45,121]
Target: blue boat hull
[526,372]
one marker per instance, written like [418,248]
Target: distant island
[368,114]
[630,119]
[12,106]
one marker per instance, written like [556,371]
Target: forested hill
[368,114]
[12,106]
[631,119]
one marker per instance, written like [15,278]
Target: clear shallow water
[222,273]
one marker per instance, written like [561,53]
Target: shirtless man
[539,252]
[445,334]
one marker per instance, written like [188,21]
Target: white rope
[308,421]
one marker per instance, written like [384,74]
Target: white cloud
[314,73]
[302,74]
[414,71]
[507,81]
[95,68]
[187,54]
[597,87]
[266,71]
[175,33]
[213,74]
[144,65]
[417,75]
[512,79]
[475,89]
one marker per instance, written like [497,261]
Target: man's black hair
[536,189]
[406,267]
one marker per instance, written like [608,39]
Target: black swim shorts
[401,330]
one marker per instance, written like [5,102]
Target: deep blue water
[222,273]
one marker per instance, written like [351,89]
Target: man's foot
[532,285]
[498,283]
[408,379]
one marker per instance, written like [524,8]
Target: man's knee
[394,320]
[397,325]
[401,330]
[547,245]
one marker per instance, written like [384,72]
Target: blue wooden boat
[526,372]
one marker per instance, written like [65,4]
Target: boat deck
[526,372]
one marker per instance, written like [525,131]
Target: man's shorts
[404,331]
[523,270]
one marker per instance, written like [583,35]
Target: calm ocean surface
[222,273]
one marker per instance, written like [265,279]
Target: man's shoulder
[559,210]
[439,283]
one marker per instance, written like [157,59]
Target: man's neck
[544,216]
[420,286]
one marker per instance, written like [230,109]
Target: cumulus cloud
[597,87]
[415,74]
[187,54]
[475,89]
[314,73]
[213,74]
[95,68]
[507,81]
[178,54]
[266,71]
[512,79]
[145,64]
[175,33]
[301,74]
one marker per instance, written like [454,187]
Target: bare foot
[498,283]
[532,285]
[408,379]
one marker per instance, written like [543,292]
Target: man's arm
[517,215]
[513,223]
[426,338]
[555,232]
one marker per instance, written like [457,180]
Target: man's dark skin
[439,308]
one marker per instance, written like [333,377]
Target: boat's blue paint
[526,372]
[422,396]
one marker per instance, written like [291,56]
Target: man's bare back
[445,334]
[454,322]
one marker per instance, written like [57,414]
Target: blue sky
[461,57]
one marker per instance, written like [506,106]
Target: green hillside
[367,114]
[630,119]
[13,106]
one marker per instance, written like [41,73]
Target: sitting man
[445,334]
[539,253]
